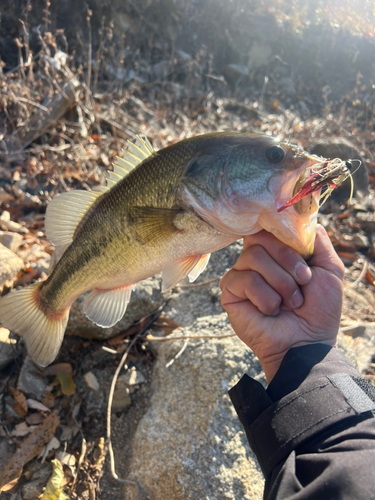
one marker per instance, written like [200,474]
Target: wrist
[271,363]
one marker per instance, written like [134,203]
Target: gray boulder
[10,266]
[189,443]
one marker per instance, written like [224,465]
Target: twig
[204,283]
[109,415]
[170,363]
[27,101]
[89,55]
[360,277]
[151,338]
[80,462]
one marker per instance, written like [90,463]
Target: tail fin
[20,312]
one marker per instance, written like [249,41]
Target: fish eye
[275,154]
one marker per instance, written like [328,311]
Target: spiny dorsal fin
[65,212]
[136,153]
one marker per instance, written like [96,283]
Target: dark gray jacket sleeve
[313,429]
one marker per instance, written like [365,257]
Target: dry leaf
[54,488]
[22,429]
[68,386]
[166,324]
[35,405]
[35,418]
[52,445]
[92,381]
[30,448]
[58,368]
[48,399]
[21,405]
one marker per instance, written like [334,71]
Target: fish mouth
[324,173]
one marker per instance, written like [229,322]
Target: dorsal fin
[65,212]
[135,154]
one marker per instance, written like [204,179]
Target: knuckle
[285,286]
[271,306]
[254,279]
[287,254]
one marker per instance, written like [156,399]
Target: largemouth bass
[163,211]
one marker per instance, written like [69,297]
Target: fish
[163,212]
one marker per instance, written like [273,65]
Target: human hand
[275,301]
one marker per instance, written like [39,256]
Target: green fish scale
[105,240]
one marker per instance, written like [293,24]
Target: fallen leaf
[30,448]
[54,488]
[35,418]
[68,386]
[52,445]
[137,327]
[22,429]
[20,406]
[58,368]
[48,399]
[166,324]
[92,381]
[370,278]
[36,405]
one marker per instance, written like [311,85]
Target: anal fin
[199,268]
[174,272]
[107,307]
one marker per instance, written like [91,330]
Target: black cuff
[314,389]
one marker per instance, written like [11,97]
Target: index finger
[325,255]
[288,258]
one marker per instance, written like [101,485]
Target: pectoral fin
[154,225]
[174,272]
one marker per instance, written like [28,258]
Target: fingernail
[303,272]
[297,299]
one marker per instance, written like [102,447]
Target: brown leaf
[30,448]
[137,327]
[35,418]
[166,324]
[48,399]
[21,405]
[68,386]
[58,368]
[370,278]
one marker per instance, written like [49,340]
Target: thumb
[325,255]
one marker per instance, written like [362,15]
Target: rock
[121,399]
[7,348]
[133,377]
[145,298]
[6,223]
[235,73]
[10,266]
[160,70]
[189,443]
[31,379]
[361,241]
[33,489]
[11,240]
[342,148]
[260,55]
